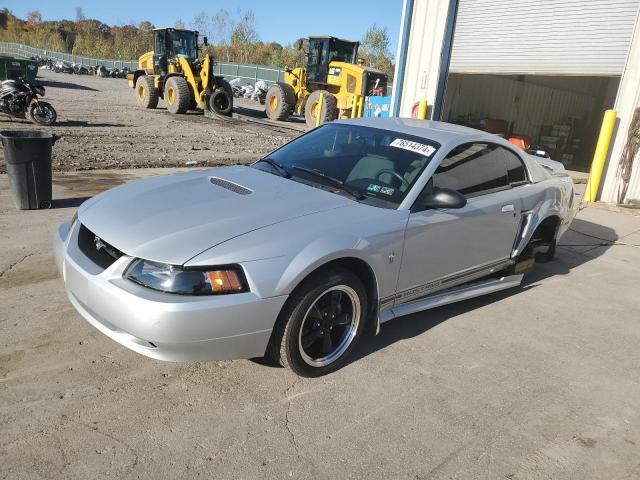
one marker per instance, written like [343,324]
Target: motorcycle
[19,97]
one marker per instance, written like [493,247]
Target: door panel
[439,243]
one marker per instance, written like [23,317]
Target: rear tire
[279,101]
[177,95]
[146,92]
[311,336]
[328,111]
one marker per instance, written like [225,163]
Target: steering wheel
[395,174]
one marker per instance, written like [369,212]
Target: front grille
[96,249]
[234,187]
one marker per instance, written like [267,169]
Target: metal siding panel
[423,54]
[548,37]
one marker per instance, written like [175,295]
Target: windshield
[183,43]
[341,51]
[380,165]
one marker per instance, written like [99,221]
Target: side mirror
[443,198]
[205,41]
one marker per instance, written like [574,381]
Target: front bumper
[159,325]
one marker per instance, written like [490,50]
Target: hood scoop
[234,187]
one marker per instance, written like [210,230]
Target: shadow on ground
[68,85]
[82,123]
[416,324]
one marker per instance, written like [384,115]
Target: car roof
[442,132]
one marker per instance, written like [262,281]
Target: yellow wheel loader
[172,71]
[332,84]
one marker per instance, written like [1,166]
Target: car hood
[172,218]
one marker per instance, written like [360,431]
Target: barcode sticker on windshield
[421,148]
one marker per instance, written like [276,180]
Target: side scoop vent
[234,187]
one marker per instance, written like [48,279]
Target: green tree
[375,49]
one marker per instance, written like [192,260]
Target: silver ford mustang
[294,257]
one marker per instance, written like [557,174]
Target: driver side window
[472,169]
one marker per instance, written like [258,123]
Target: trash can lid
[25,134]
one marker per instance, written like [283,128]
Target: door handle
[508,208]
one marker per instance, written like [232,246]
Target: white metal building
[543,70]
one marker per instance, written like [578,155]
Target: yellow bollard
[354,107]
[360,106]
[599,157]
[422,110]
[319,110]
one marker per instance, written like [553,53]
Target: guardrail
[246,73]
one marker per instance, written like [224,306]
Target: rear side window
[516,173]
[472,169]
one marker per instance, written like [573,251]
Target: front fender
[278,257]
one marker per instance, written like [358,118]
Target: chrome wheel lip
[347,336]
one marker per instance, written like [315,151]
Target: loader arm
[187,72]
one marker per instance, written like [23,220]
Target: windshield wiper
[338,183]
[278,166]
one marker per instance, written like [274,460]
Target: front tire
[328,110]
[320,324]
[42,113]
[177,95]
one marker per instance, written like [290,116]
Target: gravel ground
[540,382]
[102,127]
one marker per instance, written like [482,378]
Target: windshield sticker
[373,188]
[387,190]
[421,148]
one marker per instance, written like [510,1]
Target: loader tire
[226,86]
[177,95]
[280,101]
[328,111]
[146,92]
[220,102]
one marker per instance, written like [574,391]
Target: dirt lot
[102,127]
[540,382]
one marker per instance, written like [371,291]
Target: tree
[34,17]
[221,27]
[79,14]
[245,35]
[374,49]
[180,24]
[201,23]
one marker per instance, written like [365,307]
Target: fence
[28,52]
[246,73]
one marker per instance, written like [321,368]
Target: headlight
[175,279]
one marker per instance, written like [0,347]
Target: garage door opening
[560,114]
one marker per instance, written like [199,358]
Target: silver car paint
[280,233]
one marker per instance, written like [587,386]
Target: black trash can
[28,158]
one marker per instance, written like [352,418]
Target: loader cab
[324,50]
[169,43]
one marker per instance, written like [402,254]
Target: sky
[282,21]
